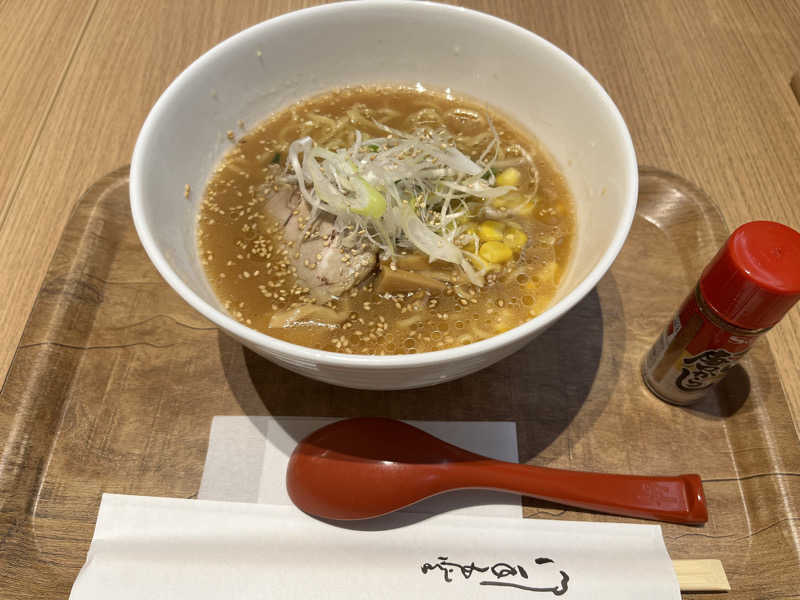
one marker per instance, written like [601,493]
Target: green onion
[401,190]
[276,160]
[375,204]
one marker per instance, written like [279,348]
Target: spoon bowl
[367,467]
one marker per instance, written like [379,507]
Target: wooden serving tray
[115,382]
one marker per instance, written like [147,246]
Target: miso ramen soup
[385,220]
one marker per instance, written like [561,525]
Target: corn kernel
[515,238]
[509,200]
[509,176]
[495,252]
[490,231]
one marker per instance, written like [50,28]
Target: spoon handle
[678,499]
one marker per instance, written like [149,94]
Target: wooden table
[703,85]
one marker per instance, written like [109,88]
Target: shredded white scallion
[403,190]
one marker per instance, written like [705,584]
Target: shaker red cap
[755,277]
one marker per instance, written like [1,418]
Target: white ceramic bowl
[272,64]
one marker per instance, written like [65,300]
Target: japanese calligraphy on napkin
[202,550]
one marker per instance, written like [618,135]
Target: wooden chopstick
[703,575]
[795,85]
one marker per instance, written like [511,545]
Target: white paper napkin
[247,457]
[202,550]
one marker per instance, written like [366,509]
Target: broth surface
[244,253]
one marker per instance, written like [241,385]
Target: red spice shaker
[749,285]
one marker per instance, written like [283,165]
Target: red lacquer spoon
[362,468]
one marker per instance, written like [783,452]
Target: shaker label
[691,354]
[706,368]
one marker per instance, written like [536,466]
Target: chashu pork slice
[326,262]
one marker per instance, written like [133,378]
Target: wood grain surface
[37,50]
[116,380]
[703,85]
